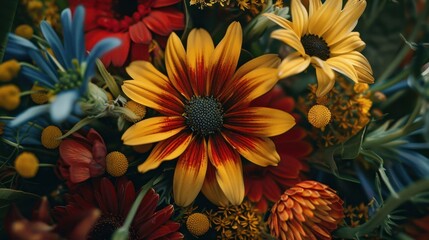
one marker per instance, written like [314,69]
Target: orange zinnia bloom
[207,121]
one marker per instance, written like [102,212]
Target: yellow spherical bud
[24,31]
[41,95]
[143,148]
[34,6]
[9,69]
[116,164]
[198,224]
[27,165]
[10,97]
[360,87]
[50,137]
[137,108]
[364,105]
[319,116]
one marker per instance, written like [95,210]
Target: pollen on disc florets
[315,46]
[204,115]
[116,164]
[50,137]
[198,224]
[319,116]
[137,108]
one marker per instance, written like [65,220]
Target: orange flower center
[204,115]
[315,46]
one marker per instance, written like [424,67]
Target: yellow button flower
[319,116]
[24,31]
[9,69]
[136,108]
[198,224]
[50,137]
[27,165]
[10,97]
[116,164]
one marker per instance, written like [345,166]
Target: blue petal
[36,76]
[67,34]
[62,107]
[79,42]
[99,50]
[29,114]
[55,43]
[15,39]
[44,64]
[418,162]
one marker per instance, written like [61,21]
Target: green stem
[46,165]
[391,204]
[122,233]
[409,128]
[401,76]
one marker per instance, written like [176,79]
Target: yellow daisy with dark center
[207,122]
[323,37]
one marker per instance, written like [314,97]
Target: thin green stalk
[378,219]
[401,76]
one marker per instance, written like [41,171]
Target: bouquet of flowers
[214,119]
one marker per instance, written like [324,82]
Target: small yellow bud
[198,224]
[10,97]
[9,69]
[24,31]
[41,95]
[50,137]
[116,164]
[34,6]
[27,164]
[137,108]
[364,105]
[143,148]
[360,87]
[319,116]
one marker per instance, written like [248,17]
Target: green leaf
[110,81]
[7,14]
[352,147]
[10,195]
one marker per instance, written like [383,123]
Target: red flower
[75,226]
[135,22]
[82,157]
[115,201]
[264,184]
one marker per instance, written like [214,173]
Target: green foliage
[7,14]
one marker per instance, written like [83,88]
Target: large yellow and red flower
[135,22]
[207,122]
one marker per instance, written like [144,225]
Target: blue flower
[67,74]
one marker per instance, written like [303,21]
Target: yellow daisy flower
[323,37]
[207,122]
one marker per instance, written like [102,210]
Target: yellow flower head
[206,121]
[198,224]
[50,136]
[9,69]
[319,116]
[27,164]
[116,164]
[137,108]
[25,31]
[9,97]
[323,37]
[360,87]
[40,94]
[364,105]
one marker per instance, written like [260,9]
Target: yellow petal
[199,49]
[145,71]
[293,64]
[168,149]
[343,66]
[266,60]
[177,65]
[324,83]
[317,62]
[290,38]
[190,173]
[259,121]
[299,18]
[325,17]
[260,151]
[224,60]
[281,21]
[211,188]
[314,5]
[154,129]
[351,43]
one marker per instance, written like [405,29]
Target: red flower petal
[139,33]
[163,3]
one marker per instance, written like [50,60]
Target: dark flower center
[124,8]
[315,46]
[106,226]
[204,115]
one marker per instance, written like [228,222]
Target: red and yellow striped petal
[177,66]
[259,121]
[229,172]
[224,59]
[200,48]
[260,151]
[154,129]
[168,149]
[211,188]
[190,173]
[254,84]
